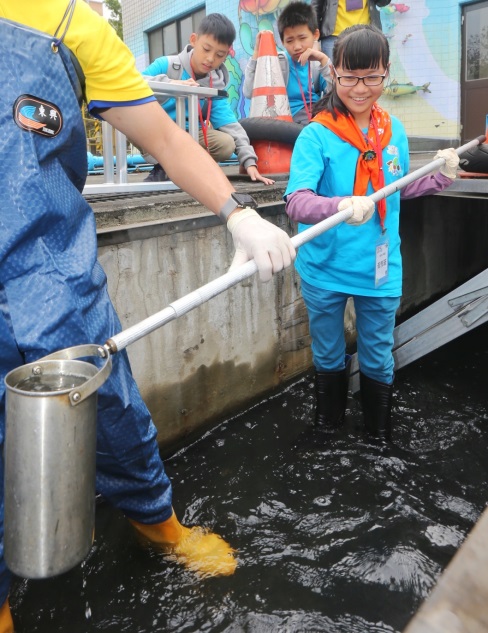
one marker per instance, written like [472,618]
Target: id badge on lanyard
[381,263]
[382,243]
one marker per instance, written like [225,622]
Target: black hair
[219,26]
[296,14]
[358,46]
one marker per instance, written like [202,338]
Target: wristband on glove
[236,201]
[235,218]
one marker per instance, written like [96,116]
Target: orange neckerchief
[370,164]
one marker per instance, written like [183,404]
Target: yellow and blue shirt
[108,65]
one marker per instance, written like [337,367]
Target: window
[171,38]
[477,42]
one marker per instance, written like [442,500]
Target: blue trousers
[375,322]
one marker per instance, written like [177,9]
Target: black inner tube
[475,159]
[262,128]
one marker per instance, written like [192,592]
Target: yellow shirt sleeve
[111,76]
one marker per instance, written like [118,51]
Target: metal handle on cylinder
[84,391]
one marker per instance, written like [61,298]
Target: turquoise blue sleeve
[307,162]
[221,113]
[158,67]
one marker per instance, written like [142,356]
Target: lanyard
[308,107]
[204,124]
[379,154]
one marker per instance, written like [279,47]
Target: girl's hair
[358,46]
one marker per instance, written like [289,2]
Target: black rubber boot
[376,398]
[331,396]
[157,174]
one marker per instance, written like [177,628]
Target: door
[474,74]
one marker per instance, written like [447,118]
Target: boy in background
[201,63]
[304,66]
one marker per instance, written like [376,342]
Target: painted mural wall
[424,36]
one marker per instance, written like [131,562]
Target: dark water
[334,534]
[47,383]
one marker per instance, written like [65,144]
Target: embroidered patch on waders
[35,115]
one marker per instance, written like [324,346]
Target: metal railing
[115,176]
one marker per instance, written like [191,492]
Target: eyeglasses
[349,81]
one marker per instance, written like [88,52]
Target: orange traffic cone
[269,99]
[269,96]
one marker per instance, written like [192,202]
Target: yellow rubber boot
[6,623]
[202,551]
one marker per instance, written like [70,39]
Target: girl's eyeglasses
[349,81]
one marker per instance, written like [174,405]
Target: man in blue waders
[53,292]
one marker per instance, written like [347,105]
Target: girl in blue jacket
[351,148]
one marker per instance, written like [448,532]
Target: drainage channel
[333,533]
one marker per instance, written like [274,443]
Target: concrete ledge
[459,601]
[430,143]
[110,235]
[467,187]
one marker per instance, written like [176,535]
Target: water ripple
[333,532]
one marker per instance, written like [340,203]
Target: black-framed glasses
[349,81]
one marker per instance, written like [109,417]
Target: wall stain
[208,395]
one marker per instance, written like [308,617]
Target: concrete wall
[239,345]
[218,357]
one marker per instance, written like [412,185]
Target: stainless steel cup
[50,452]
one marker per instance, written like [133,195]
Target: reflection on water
[334,534]
[47,383]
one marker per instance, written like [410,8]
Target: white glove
[452,162]
[362,209]
[258,239]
